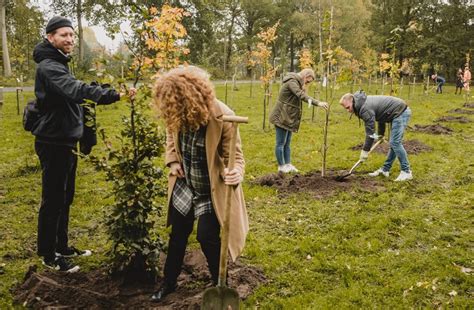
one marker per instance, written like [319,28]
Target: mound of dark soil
[469,105]
[461,111]
[98,290]
[453,119]
[433,129]
[411,146]
[317,185]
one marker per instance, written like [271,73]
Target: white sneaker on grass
[378,172]
[291,168]
[283,169]
[404,176]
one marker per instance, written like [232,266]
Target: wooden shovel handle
[228,198]
[235,119]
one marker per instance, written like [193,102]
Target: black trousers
[208,230]
[58,165]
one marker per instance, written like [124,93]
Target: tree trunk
[249,32]
[329,44]
[320,22]
[7,70]
[235,13]
[80,31]
[292,53]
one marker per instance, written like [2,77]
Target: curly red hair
[183,97]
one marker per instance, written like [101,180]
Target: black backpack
[31,115]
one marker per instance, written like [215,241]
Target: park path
[31,88]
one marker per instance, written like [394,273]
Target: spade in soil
[223,297]
[342,177]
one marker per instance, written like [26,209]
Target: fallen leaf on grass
[424,284]
[405,292]
[453,293]
[396,252]
[464,269]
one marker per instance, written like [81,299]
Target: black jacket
[60,97]
[381,109]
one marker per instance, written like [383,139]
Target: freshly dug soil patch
[454,119]
[318,186]
[461,111]
[469,105]
[433,129]
[411,146]
[98,290]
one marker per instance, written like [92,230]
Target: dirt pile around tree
[453,119]
[318,186]
[461,111]
[98,290]
[433,129]
[469,105]
[411,146]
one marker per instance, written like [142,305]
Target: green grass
[395,248]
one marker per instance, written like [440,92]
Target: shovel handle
[357,164]
[375,145]
[229,191]
[235,119]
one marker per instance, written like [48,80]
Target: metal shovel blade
[220,298]
[341,178]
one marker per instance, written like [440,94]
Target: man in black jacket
[60,97]
[382,109]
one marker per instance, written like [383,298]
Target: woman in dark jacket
[459,81]
[286,116]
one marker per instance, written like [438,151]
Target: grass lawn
[403,246]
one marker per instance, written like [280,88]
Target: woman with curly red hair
[197,152]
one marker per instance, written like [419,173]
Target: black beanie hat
[57,22]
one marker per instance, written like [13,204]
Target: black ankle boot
[164,290]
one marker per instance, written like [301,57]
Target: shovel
[341,177]
[223,297]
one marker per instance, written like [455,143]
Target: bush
[137,182]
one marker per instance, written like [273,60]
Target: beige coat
[218,135]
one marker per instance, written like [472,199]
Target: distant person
[383,110]
[59,98]
[286,115]
[459,81]
[439,80]
[197,152]
[467,78]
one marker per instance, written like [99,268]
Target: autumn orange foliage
[163,36]
[261,55]
[306,60]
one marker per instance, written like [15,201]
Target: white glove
[376,137]
[323,105]
[363,155]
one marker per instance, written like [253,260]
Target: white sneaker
[283,169]
[291,168]
[404,176]
[378,172]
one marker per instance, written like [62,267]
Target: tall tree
[7,70]
[255,16]
[24,29]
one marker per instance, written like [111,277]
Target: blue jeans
[439,89]
[396,147]
[282,148]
